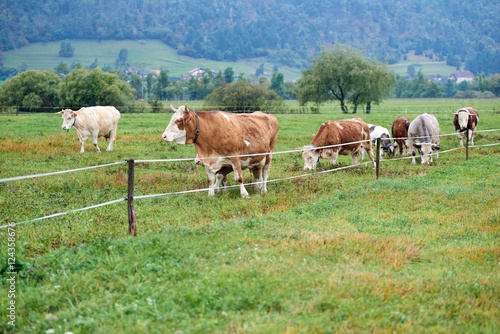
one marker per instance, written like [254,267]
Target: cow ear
[390,124]
[417,145]
[436,147]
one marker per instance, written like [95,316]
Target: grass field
[415,251]
[153,54]
[142,54]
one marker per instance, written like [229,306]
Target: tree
[278,84]
[161,85]
[122,58]
[242,96]
[229,75]
[136,84]
[31,90]
[334,74]
[62,68]
[260,71]
[84,88]
[94,64]
[66,49]
[494,84]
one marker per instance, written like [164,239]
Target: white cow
[92,121]
[424,132]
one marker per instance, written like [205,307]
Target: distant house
[459,76]
[143,73]
[197,72]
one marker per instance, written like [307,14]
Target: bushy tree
[66,49]
[84,88]
[242,96]
[31,90]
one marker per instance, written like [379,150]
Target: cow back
[400,127]
[342,132]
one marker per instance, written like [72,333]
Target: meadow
[153,54]
[415,251]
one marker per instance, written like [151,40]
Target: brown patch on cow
[400,132]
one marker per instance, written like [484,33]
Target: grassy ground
[415,251]
[153,54]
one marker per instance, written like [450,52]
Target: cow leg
[265,172]
[220,178]
[335,155]
[461,138]
[355,158]
[238,177]
[362,153]
[472,133]
[82,140]
[94,141]
[112,139]
[258,179]
[371,156]
[211,181]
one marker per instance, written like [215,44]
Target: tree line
[287,32]
[337,73]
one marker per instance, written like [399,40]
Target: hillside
[286,32]
[153,54]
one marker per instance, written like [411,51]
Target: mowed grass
[415,251]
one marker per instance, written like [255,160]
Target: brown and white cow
[339,132]
[466,118]
[219,137]
[92,122]
[400,133]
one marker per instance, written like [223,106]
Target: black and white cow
[386,145]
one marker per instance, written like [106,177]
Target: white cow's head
[69,118]
[310,156]
[426,149]
[463,118]
[176,129]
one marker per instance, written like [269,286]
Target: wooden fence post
[467,144]
[130,198]
[377,159]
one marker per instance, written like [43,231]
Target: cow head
[425,150]
[69,118]
[463,118]
[310,156]
[387,147]
[176,129]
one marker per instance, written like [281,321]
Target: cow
[466,118]
[220,138]
[353,132]
[377,131]
[92,121]
[424,132]
[400,133]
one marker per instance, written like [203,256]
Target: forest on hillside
[289,32]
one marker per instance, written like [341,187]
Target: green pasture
[154,54]
[142,54]
[340,252]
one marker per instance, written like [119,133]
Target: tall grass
[415,251]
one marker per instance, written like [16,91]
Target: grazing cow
[336,133]
[376,131]
[466,118]
[219,137]
[92,121]
[400,133]
[424,132]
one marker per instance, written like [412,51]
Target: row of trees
[337,73]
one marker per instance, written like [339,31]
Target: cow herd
[227,142]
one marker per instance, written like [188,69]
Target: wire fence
[129,198]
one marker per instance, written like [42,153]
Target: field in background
[416,250]
[142,54]
[153,54]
